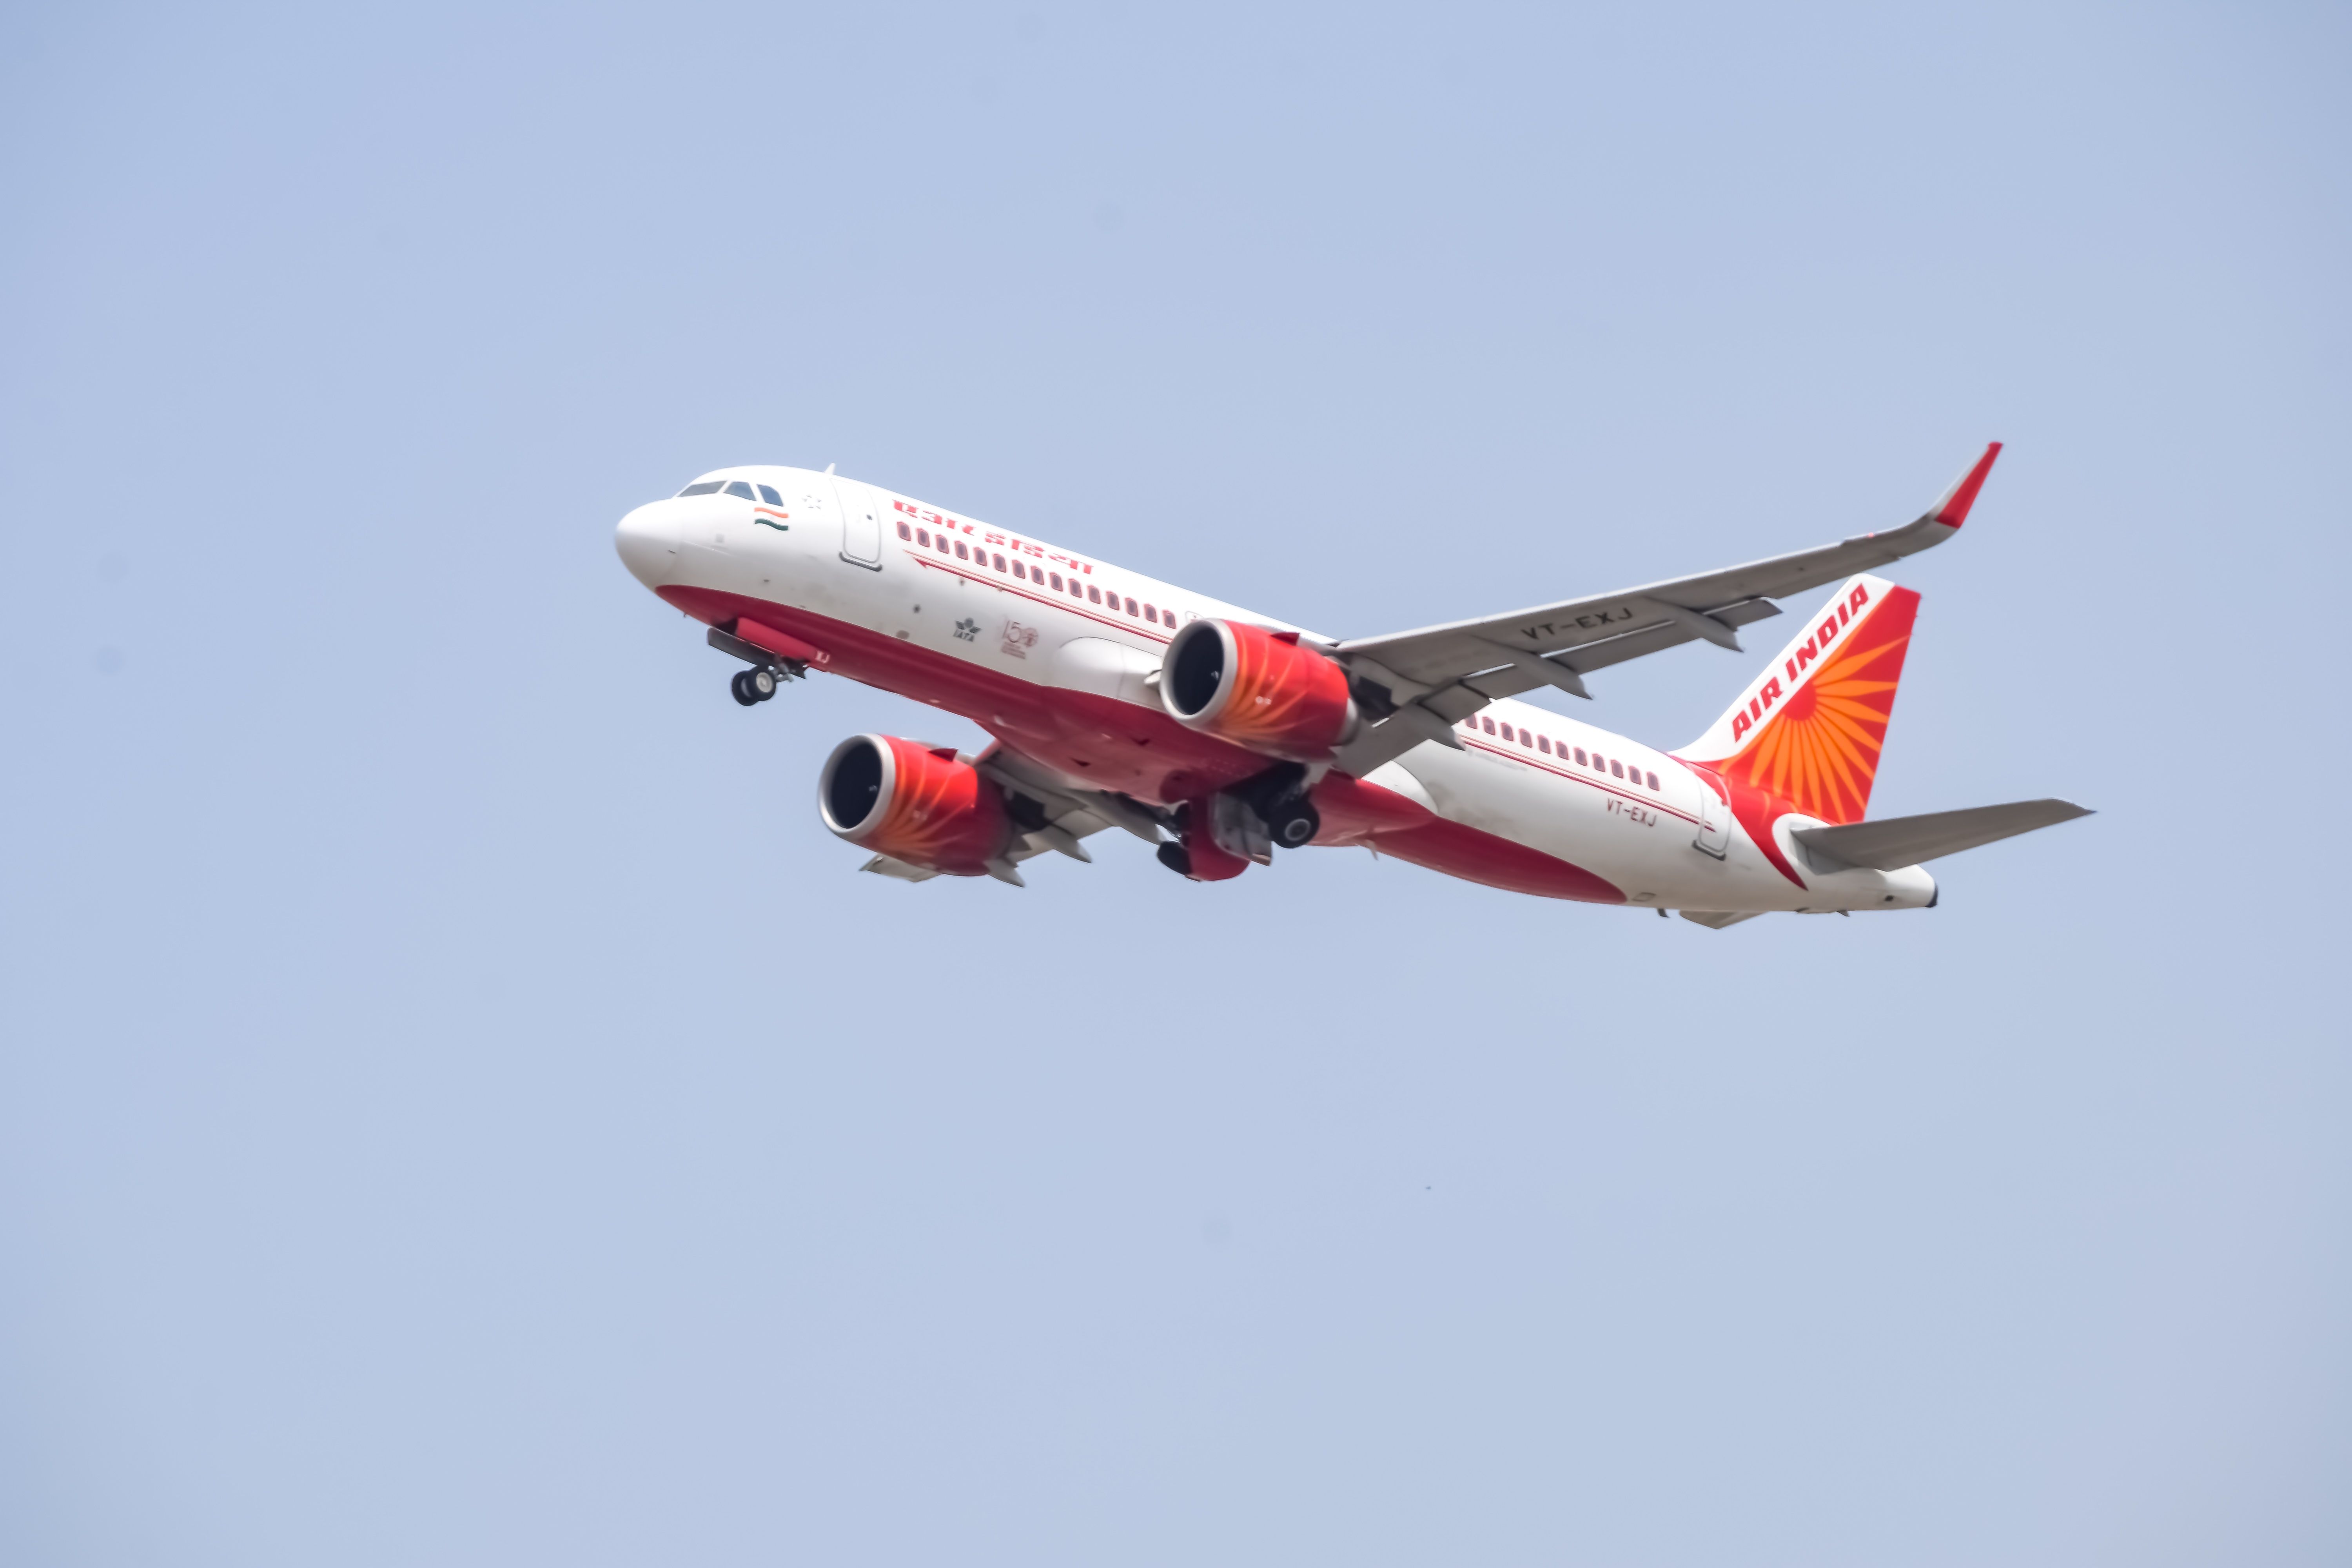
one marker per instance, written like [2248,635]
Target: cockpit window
[707,487]
[768,493]
[743,491]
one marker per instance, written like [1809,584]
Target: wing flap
[1055,811]
[1717,919]
[884,865]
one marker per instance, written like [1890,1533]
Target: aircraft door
[861,525]
[1714,821]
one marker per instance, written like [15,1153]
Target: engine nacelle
[925,807]
[1259,689]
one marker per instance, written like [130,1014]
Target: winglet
[1953,509]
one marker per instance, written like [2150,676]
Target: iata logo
[1806,652]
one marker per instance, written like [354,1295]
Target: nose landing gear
[745,691]
[753,687]
[769,671]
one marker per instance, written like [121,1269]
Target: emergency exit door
[861,525]
[1714,821]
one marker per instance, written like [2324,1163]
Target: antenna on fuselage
[828,467]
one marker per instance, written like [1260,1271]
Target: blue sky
[458,1105]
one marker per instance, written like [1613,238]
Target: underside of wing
[1418,684]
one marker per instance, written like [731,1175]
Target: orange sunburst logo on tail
[1817,748]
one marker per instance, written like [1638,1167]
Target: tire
[740,685]
[1294,826]
[1176,858]
[762,682]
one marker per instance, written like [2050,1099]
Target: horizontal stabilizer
[1895,842]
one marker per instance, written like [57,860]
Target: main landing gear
[753,687]
[1293,824]
[1219,836]
[1278,795]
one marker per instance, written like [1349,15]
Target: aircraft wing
[1431,680]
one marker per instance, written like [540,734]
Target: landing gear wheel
[740,685]
[1176,859]
[763,683]
[1294,826]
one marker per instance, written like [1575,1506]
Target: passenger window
[1131,607]
[1653,781]
[1617,768]
[1019,570]
[1580,757]
[1094,593]
[768,493]
[741,491]
[1077,589]
[904,531]
[1057,576]
[1527,740]
[1489,723]
[1150,614]
[1543,745]
[962,553]
[708,488]
[940,544]
[1000,562]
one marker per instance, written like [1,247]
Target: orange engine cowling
[913,804]
[1257,689]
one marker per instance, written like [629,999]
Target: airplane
[1220,736]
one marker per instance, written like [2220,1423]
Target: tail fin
[1809,729]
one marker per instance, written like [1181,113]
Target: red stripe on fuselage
[1143,752]
[1355,812]
[1113,745]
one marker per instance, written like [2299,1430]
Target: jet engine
[925,807]
[1257,689]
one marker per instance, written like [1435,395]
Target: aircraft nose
[647,541]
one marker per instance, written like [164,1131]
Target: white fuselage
[1039,654]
